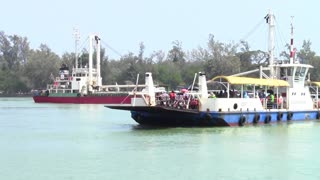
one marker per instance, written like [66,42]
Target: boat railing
[121,88]
[60,90]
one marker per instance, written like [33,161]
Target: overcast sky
[123,24]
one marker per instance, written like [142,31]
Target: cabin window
[303,71]
[297,74]
[300,71]
[283,72]
[289,71]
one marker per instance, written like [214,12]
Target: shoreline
[15,95]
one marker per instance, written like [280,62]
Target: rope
[253,29]
[112,49]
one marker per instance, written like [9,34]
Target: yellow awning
[252,81]
[316,83]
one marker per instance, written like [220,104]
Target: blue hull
[183,118]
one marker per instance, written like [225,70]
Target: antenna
[292,52]
[76,34]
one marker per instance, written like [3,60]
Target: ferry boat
[83,85]
[284,97]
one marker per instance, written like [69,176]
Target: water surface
[63,141]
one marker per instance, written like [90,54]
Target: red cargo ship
[84,84]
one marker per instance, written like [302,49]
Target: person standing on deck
[280,101]
[272,100]
[172,96]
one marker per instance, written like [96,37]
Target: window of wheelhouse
[300,73]
[303,71]
[285,72]
[289,71]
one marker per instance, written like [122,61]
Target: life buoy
[318,115]
[242,120]
[256,119]
[267,119]
[279,116]
[289,116]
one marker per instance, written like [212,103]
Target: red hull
[84,100]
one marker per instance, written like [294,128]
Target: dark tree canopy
[23,69]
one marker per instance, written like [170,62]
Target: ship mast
[97,39]
[94,42]
[91,39]
[292,52]
[76,34]
[270,20]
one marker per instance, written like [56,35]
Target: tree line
[23,68]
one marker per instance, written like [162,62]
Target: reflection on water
[62,141]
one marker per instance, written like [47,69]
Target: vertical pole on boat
[77,38]
[260,73]
[265,97]
[99,83]
[270,20]
[135,91]
[194,80]
[277,98]
[203,86]
[317,99]
[91,37]
[287,98]
[228,90]
[291,43]
[150,88]
[241,95]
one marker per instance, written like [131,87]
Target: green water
[60,141]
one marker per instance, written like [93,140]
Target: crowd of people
[183,100]
[180,100]
[271,100]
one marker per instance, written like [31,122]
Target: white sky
[123,24]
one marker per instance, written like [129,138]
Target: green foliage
[23,69]
[176,54]
[306,54]
[41,64]
[14,51]
[11,83]
[314,72]
[169,74]
[219,58]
